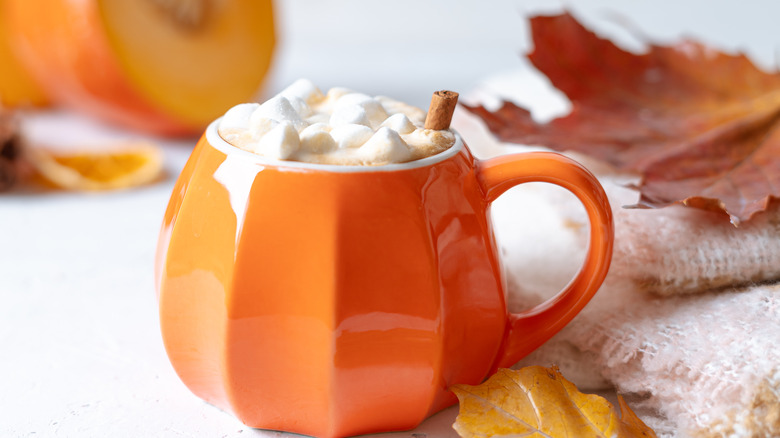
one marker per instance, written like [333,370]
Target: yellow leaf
[129,165]
[539,402]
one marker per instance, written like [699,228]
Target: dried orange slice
[124,166]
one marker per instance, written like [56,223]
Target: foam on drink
[338,127]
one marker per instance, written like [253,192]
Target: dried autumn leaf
[120,167]
[700,126]
[538,401]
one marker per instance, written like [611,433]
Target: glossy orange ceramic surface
[336,301]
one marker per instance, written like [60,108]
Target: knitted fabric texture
[704,365]
[678,250]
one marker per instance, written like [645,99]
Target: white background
[80,351]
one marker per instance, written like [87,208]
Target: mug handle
[531,328]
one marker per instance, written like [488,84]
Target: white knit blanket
[688,320]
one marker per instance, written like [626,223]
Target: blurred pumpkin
[17,88]
[162,66]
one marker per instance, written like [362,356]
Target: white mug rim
[216,141]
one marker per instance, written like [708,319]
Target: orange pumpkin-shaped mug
[335,300]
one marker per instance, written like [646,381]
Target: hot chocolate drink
[338,127]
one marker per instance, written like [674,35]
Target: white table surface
[80,349]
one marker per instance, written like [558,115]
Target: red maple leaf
[699,125]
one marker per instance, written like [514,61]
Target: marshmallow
[303,89]
[340,127]
[337,92]
[350,135]
[238,117]
[300,106]
[392,106]
[352,114]
[317,127]
[259,127]
[316,139]
[422,138]
[317,118]
[386,146]
[280,109]
[374,110]
[399,123]
[279,143]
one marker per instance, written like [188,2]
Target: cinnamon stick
[440,112]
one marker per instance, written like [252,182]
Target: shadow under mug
[342,300]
